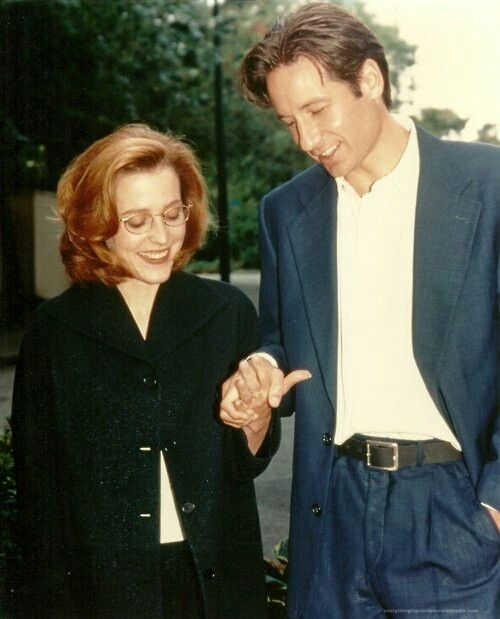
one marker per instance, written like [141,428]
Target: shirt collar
[405,174]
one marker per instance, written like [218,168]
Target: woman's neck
[139,298]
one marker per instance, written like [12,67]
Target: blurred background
[74,70]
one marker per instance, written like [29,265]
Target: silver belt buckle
[395,455]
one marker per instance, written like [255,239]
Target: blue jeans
[411,543]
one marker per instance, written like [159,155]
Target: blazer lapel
[444,230]
[313,239]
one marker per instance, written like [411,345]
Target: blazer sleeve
[269,304]
[242,465]
[488,487]
[45,581]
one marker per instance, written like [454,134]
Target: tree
[488,134]
[76,69]
[440,122]
[261,154]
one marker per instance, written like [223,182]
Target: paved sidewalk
[272,487]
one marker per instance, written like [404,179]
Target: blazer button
[149,381]
[316,509]
[209,574]
[327,439]
[187,508]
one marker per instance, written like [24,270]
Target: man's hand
[250,393]
[495,516]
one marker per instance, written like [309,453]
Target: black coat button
[327,439]
[169,445]
[187,508]
[209,574]
[316,509]
[150,381]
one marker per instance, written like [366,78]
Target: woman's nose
[159,230]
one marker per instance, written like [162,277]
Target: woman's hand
[250,394]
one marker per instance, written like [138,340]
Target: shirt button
[209,574]
[327,439]
[150,381]
[187,508]
[169,445]
[316,509]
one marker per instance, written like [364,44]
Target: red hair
[86,199]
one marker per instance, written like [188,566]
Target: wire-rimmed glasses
[142,221]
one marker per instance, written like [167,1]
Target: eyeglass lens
[142,222]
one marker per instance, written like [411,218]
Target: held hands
[250,393]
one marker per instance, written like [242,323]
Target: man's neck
[384,157]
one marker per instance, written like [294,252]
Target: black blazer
[89,393]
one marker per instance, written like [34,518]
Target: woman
[134,500]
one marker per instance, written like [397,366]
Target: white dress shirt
[170,524]
[380,391]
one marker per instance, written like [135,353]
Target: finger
[237,418]
[230,396]
[243,391]
[276,388]
[295,377]
[227,384]
[232,408]
[249,375]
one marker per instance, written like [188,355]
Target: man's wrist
[264,355]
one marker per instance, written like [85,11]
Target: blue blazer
[455,319]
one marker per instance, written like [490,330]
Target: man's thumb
[297,376]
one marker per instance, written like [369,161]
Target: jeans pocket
[462,539]
[482,522]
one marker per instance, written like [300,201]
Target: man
[379,277]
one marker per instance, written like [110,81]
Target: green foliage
[76,69]
[488,134]
[277,579]
[440,122]
[9,552]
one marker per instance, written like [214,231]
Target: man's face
[325,118]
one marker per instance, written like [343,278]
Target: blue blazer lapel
[313,239]
[445,223]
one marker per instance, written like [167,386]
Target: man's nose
[308,136]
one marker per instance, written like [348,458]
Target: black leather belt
[389,455]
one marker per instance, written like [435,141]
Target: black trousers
[181,594]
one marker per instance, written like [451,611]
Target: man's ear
[371,81]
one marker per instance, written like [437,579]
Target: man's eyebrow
[304,106]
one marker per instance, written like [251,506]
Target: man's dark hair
[326,34]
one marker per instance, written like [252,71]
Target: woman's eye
[173,214]
[318,111]
[137,221]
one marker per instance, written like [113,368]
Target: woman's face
[148,255]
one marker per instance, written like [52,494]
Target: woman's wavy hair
[86,199]
[327,35]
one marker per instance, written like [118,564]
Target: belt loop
[420,453]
